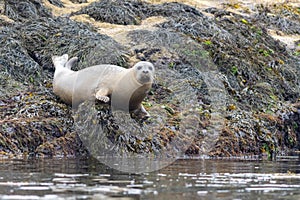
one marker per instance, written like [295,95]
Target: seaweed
[133,11]
[116,12]
[25,10]
[27,71]
[241,85]
[280,17]
[35,42]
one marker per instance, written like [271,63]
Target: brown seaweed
[254,109]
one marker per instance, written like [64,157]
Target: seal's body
[125,87]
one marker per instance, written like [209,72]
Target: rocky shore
[236,65]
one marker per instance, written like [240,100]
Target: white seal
[126,88]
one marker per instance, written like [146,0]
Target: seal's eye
[150,68]
[139,67]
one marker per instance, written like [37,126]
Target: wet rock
[116,12]
[280,17]
[232,85]
[24,10]
[132,12]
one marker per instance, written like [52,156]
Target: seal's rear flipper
[71,62]
[60,61]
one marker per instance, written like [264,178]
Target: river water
[87,178]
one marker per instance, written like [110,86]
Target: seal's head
[144,72]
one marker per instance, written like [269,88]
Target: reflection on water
[184,179]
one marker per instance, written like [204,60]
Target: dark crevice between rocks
[57,3]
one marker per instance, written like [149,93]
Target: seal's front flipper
[140,113]
[144,112]
[101,95]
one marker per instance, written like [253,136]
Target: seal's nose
[145,72]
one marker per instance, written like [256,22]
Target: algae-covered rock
[25,10]
[224,86]
[27,70]
[116,12]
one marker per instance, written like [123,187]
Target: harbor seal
[124,88]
